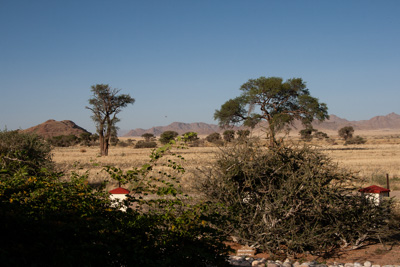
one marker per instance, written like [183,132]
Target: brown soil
[375,253]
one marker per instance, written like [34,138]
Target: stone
[246,251]
[367,264]
[287,261]
[357,264]
[236,258]
[258,263]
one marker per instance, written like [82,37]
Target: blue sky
[181,60]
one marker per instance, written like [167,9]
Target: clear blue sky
[181,60]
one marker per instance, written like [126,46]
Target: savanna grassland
[371,161]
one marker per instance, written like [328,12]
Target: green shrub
[306,134]
[214,138]
[229,135]
[54,221]
[358,140]
[168,136]
[190,137]
[26,151]
[243,134]
[122,144]
[144,144]
[64,140]
[321,135]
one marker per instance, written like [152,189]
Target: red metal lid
[119,190]
[374,189]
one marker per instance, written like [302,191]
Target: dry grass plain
[379,156]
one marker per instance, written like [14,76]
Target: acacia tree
[272,100]
[148,136]
[105,105]
[168,136]
[346,132]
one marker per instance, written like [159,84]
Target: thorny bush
[288,200]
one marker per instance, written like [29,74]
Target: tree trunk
[103,141]
[103,145]
[271,135]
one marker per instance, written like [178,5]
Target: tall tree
[270,99]
[105,105]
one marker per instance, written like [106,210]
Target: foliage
[148,136]
[277,102]
[321,135]
[122,144]
[168,136]
[309,133]
[358,140]
[291,200]
[23,151]
[243,134]
[229,135]
[144,144]
[190,137]
[85,139]
[346,132]
[306,134]
[105,105]
[64,140]
[213,138]
[114,139]
[55,221]
[129,141]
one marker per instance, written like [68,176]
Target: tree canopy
[346,132]
[105,105]
[168,136]
[272,100]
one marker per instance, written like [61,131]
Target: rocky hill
[52,128]
[390,121]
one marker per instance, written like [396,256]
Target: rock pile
[254,262]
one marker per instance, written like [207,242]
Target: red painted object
[374,189]
[119,190]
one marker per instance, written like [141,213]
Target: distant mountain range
[390,121]
[179,127]
[52,128]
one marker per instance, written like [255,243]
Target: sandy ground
[395,194]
